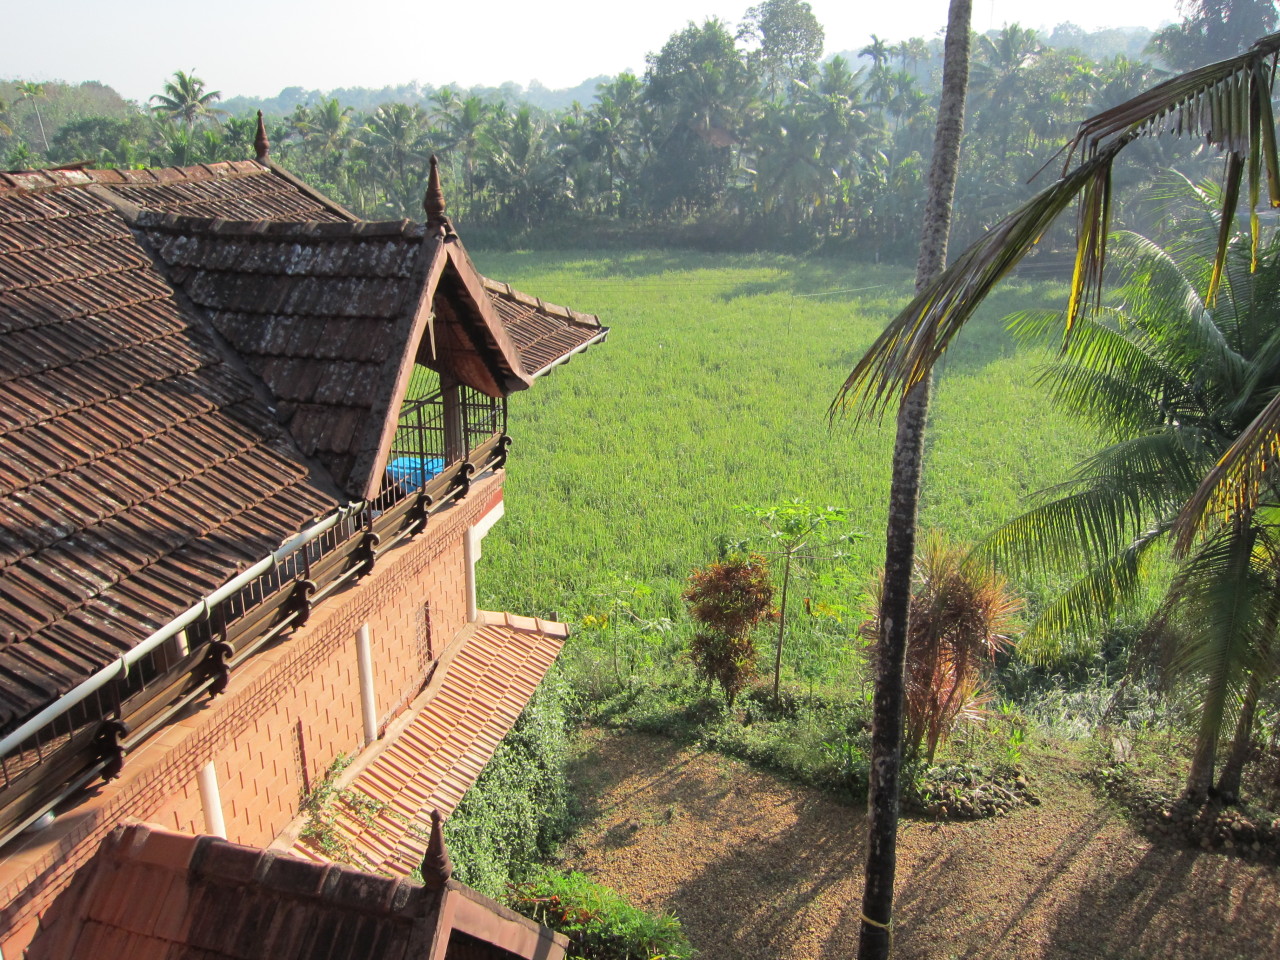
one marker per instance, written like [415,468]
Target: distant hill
[366,99]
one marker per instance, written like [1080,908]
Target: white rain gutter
[559,361]
[119,669]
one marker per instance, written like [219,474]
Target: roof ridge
[56,178]
[214,858]
[280,229]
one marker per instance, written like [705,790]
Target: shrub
[728,599]
[518,810]
[599,923]
[961,616]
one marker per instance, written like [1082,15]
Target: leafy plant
[632,638]
[962,614]
[317,803]
[728,600]
[518,810]
[792,527]
[599,923]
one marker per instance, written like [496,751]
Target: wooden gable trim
[515,376]
[399,369]
[469,912]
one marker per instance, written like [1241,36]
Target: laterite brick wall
[284,719]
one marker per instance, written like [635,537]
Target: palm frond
[1108,378]
[1222,589]
[1159,296]
[1226,103]
[911,344]
[1071,622]
[1116,495]
[1237,481]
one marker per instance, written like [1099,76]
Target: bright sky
[258,47]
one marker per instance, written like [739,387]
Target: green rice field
[712,391]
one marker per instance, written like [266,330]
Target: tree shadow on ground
[1173,901]
[756,867]
[764,897]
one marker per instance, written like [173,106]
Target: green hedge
[599,923]
[517,812]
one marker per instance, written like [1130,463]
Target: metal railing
[90,730]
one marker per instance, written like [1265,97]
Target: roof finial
[437,868]
[433,202]
[260,142]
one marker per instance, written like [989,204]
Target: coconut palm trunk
[1233,768]
[875,940]
[1241,743]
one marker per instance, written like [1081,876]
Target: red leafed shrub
[728,600]
[962,614]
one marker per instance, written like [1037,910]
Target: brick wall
[285,717]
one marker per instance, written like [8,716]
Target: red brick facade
[286,716]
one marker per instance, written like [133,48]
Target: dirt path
[758,869]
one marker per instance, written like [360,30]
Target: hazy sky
[257,48]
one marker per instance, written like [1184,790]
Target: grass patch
[713,391]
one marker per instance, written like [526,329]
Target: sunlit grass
[713,390]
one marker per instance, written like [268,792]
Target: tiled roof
[164,425]
[543,332]
[474,698]
[234,190]
[140,471]
[150,894]
[320,312]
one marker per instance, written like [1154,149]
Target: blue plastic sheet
[414,472]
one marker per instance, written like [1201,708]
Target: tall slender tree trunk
[782,630]
[1233,767]
[875,940]
[1203,760]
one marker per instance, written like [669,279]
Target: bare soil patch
[760,868]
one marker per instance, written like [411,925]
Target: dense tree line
[745,133]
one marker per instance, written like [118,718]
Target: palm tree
[327,131]
[185,98]
[878,50]
[875,939]
[396,135]
[519,159]
[33,92]
[462,123]
[615,136]
[1169,380]
[1229,104]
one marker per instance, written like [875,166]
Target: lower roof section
[479,688]
[150,894]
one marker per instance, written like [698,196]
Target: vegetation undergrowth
[321,805]
[599,923]
[517,812]
[1143,770]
